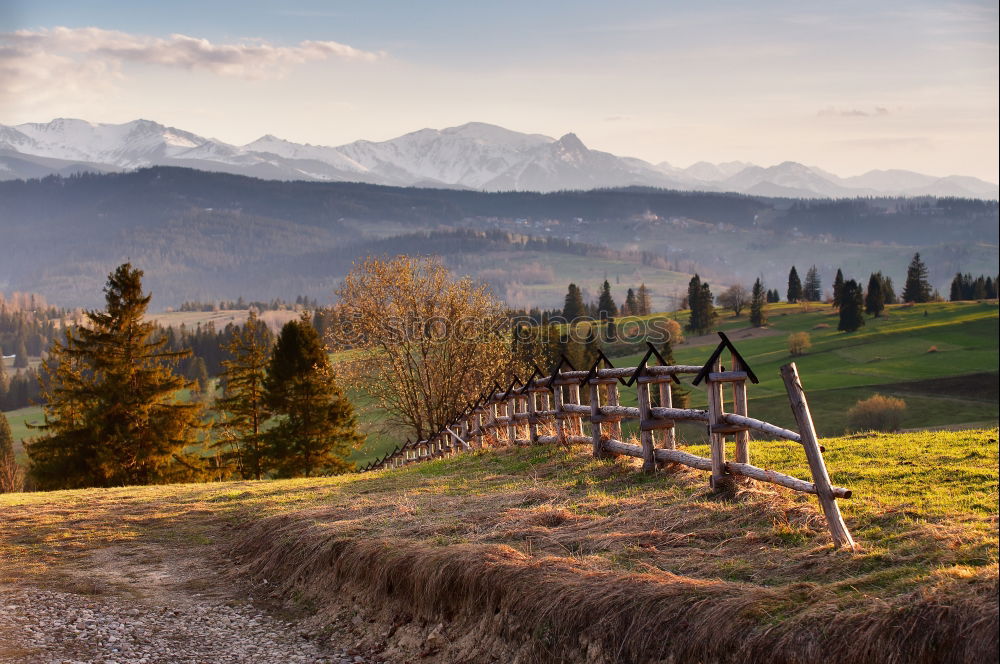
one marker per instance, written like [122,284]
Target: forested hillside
[209,235]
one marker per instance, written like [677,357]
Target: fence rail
[513,416]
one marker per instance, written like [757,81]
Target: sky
[846,86]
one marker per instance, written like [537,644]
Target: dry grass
[541,554]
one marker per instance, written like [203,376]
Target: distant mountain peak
[476,155]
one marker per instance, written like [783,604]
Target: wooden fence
[512,416]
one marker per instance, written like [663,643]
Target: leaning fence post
[807,432]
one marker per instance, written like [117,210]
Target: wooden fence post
[576,420]
[807,432]
[616,424]
[532,406]
[557,401]
[667,401]
[511,406]
[595,419]
[740,408]
[645,436]
[717,440]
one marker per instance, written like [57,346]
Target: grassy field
[940,358]
[908,353]
[565,550]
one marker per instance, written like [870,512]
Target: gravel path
[46,626]
[133,609]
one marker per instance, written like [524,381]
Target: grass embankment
[547,554]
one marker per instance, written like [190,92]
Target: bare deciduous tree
[424,343]
[735,297]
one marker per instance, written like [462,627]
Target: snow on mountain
[474,155]
[470,155]
[286,149]
[130,145]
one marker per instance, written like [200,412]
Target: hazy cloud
[249,59]
[83,65]
[852,112]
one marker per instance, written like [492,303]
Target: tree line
[114,412]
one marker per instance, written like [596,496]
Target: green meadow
[941,358]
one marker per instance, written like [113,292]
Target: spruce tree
[9,472]
[242,408]
[888,292]
[794,293]
[606,307]
[631,307]
[6,438]
[694,300]
[838,287]
[645,306]
[573,308]
[852,315]
[112,415]
[917,289]
[874,299]
[956,292]
[758,317]
[812,291]
[706,305]
[21,355]
[317,429]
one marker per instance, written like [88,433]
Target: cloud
[852,112]
[248,59]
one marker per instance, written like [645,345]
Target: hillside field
[541,550]
[941,358]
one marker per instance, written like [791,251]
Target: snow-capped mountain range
[475,156]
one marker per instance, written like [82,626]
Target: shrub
[876,413]
[799,343]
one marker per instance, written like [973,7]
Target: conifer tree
[645,306]
[852,305]
[888,292]
[917,288]
[812,291]
[631,306]
[874,300]
[794,293]
[758,317]
[318,428]
[21,355]
[198,372]
[706,305]
[573,308]
[112,415]
[773,296]
[838,287]
[694,300]
[10,474]
[606,307]
[242,407]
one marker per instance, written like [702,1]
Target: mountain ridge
[474,155]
